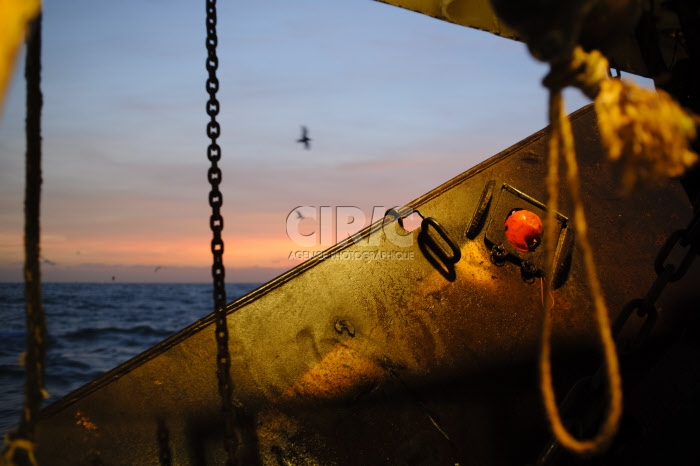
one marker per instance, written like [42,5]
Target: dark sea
[92,328]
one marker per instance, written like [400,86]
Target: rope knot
[585,71]
[646,131]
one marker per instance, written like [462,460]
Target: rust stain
[83,420]
[335,376]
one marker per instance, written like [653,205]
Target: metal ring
[529,271]
[456,252]
[498,254]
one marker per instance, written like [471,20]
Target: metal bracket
[510,198]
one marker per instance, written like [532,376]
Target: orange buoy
[524,230]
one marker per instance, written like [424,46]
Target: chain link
[666,272]
[216,222]
[20,443]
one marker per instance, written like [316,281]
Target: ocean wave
[64,364]
[11,371]
[93,333]
[60,384]
[93,328]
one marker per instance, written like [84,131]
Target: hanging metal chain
[216,222]
[36,322]
[666,272]
[19,445]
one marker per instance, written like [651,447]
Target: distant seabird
[305,139]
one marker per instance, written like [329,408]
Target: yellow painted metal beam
[15,15]
[476,14]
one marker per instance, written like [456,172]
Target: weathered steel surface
[476,14]
[385,361]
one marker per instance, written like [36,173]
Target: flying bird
[305,139]
[299,215]
[157,269]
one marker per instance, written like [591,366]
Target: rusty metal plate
[357,357]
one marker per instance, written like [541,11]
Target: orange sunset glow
[395,104]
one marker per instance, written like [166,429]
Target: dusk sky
[396,104]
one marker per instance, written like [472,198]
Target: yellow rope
[18,443]
[649,133]
[646,131]
[562,138]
